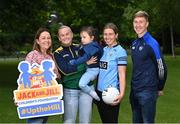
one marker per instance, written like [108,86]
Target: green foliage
[12,42]
[22,15]
[90,12]
[21,18]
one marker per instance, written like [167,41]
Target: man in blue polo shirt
[149,72]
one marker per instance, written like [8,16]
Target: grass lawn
[167,108]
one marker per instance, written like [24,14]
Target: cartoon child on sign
[25,75]
[36,76]
[48,75]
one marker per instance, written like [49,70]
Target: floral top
[37,57]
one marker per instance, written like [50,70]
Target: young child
[88,49]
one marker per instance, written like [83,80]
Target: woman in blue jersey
[112,74]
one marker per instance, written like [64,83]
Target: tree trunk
[166,41]
[172,40]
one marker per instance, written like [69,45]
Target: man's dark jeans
[143,106]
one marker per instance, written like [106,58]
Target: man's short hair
[141,14]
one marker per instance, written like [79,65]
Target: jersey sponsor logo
[103,65]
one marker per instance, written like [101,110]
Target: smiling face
[110,37]
[140,25]
[44,41]
[65,35]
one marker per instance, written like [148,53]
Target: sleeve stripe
[122,64]
[161,68]
[124,58]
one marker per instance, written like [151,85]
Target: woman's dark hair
[111,26]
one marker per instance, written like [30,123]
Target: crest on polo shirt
[133,47]
[140,48]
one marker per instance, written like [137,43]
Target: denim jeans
[89,75]
[77,101]
[38,120]
[143,106]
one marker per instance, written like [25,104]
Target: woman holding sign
[41,51]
